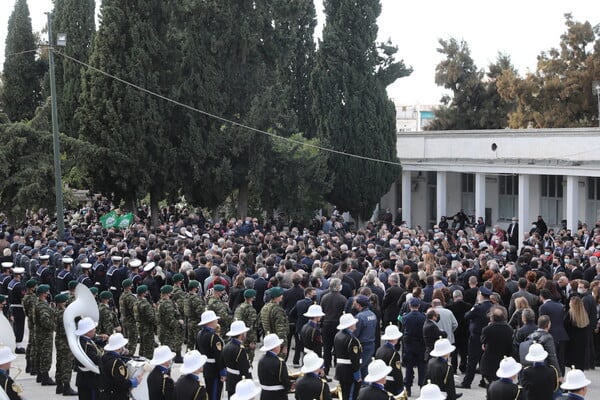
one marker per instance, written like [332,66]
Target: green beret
[127,283]
[166,289]
[72,284]
[42,289]
[275,292]
[94,290]
[61,298]
[177,277]
[2,298]
[248,293]
[106,295]
[219,288]
[31,283]
[142,289]
[194,284]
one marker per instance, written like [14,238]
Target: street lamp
[596,91]
[60,214]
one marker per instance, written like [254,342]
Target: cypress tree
[352,110]
[21,75]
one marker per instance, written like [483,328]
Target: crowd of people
[365,307]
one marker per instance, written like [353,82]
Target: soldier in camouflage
[44,332]
[246,312]
[193,308]
[179,298]
[145,319]
[108,322]
[29,301]
[64,357]
[71,295]
[170,324]
[220,308]
[126,306]
[273,317]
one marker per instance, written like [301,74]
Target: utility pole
[60,215]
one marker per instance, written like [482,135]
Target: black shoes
[458,395]
[46,380]
[19,350]
[67,391]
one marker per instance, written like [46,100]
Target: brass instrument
[402,396]
[293,378]
[7,338]
[336,392]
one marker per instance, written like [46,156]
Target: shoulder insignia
[218,345]
[398,365]
[355,349]
[122,370]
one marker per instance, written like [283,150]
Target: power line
[20,52]
[250,128]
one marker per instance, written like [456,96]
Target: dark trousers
[462,351]
[214,387]
[297,345]
[86,393]
[349,389]
[411,360]
[473,358]
[19,325]
[328,333]
[560,355]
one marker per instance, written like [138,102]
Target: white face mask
[580,290]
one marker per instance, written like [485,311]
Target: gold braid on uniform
[164,383]
[518,392]
[280,368]
[447,372]
[198,392]
[321,397]
[239,352]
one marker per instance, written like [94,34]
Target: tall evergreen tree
[76,19]
[21,75]
[127,128]
[351,107]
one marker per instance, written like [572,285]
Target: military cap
[275,292]
[67,260]
[44,257]
[219,288]
[177,277]
[61,298]
[166,289]
[43,289]
[7,264]
[142,289]
[52,243]
[193,284]
[362,300]
[30,283]
[485,291]
[127,283]
[2,298]
[94,290]
[106,295]
[248,293]
[72,284]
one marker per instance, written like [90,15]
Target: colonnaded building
[497,175]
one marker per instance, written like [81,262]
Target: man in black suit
[497,341]
[461,335]
[513,232]
[431,332]
[297,314]
[260,285]
[390,305]
[556,312]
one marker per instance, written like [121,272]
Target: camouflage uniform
[145,320]
[29,302]
[275,320]
[126,306]
[170,329]
[64,357]
[179,298]
[247,313]
[44,332]
[108,320]
[222,310]
[193,308]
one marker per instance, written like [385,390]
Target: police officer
[247,313]
[145,320]
[505,388]
[220,307]
[388,353]
[126,306]
[310,385]
[87,381]
[366,330]
[160,384]
[413,349]
[347,350]
[193,308]
[310,333]
[64,357]
[170,323]
[376,377]
[273,316]
[209,343]
[235,356]
[272,371]
[439,369]
[65,275]
[16,292]
[188,386]
[114,384]
[44,331]
[29,302]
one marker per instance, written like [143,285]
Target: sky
[521,29]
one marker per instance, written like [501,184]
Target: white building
[498,174]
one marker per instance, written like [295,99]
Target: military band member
[85,277]
[505,388]
[64,357]
[29,302]
[539,378]
[114,383]
[44,331]
[376,377]
[193,308]
[311,385]
[12,390]
[87,381]
[160,383]
[188,386]
[235,356]
[273,316]
[210,344]
[247,313]
[272,371]
[348,352]
[16,292]
[145,319]
[126,307]
[439,368]
[310,333]
[575,384]
[246,390]
[389,354]
[108,323]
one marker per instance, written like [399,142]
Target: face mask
[436,230]
[453,254]
[406,247]
[503,254]
[493,230]
[547,253]
[580,290]
[567,260]
[575,254]
[436,247]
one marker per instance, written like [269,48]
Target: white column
[572,202]
[479,196]
[441,195]
[406,197]
[524,217]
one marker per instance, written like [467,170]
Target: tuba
[7,338]
[134,367]
[83,306]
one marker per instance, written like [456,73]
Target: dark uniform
[541,380]
[478,319]
[348,351]
[86,280]
[114,384]
[441,373]
[188,387]
[4,281]
[9,386]
[210,344]
[413,348]
[44,276]
[87,381]
[62,280]
[16,292]
[310,335]
[311,386]
[504,389]
[160,384]
[394,381]
[273,377]
[236,363]
[374,391]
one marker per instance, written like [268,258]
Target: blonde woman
[576,324]
[516,321]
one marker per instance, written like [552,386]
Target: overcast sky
[519,28]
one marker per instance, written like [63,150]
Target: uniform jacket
[272,371]
[540,381]
[235,359]
[504,389]
[188,387]
[210,344]
[310,386]
[442,374]
[388,354]
[160,384]
[347,348]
